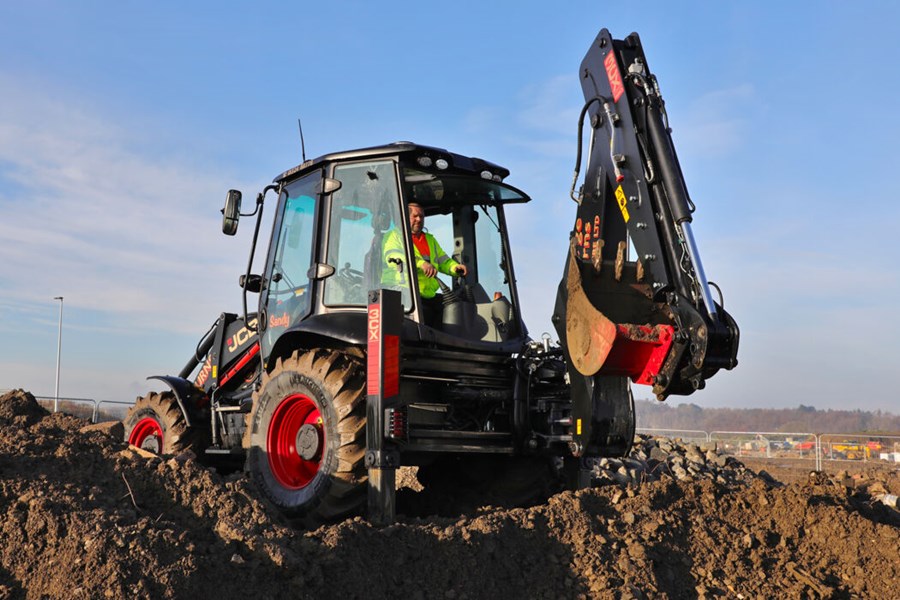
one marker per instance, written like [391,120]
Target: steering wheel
[352,281]
[350,275]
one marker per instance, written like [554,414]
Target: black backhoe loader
[337,376]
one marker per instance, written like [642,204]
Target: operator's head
[416,217]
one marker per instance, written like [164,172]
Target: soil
[83,515]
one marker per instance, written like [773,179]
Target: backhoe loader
[334,376]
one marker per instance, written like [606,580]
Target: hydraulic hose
[203,347]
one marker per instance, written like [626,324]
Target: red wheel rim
[147,435]
[290,469]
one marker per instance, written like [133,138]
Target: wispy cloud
[541,120]
[716,123]
[92,212]
[550,106]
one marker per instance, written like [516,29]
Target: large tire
[306,436]
[155,423]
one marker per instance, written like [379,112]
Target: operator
[430,259]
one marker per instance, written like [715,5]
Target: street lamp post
[58,353]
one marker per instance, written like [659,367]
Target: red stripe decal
[373,367]
[391,365]
[253,351]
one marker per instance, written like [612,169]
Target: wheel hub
[147,435]
[151,444]
[295,442]
[308,442]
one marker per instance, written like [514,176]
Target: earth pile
[82,515]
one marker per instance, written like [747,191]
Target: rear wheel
[306,436]
[156,424]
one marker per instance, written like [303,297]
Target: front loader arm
[649,317]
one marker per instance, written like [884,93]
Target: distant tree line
[651,414]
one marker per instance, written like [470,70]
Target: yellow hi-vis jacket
[392,247]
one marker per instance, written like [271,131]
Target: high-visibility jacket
[394,275]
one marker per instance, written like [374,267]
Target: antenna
[302,145]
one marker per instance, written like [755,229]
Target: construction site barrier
[86,408]
[814,447]
[688,435]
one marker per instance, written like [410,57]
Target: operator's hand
[429,269]
[462,270]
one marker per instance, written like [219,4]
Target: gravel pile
[655,458]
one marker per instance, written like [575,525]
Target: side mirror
[231,213]
[252,284]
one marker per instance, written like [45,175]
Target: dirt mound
[19,408]
[84,516]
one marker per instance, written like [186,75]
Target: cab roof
[457,162]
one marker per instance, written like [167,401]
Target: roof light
[441,164]
[486,175]
[424,161]
[497,178]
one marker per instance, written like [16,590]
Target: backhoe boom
[650,317]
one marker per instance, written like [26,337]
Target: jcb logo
[615,78]
[241,337]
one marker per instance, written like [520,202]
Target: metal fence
[88,409]
[835,446]
[769,444]
[687,435]
[794,445]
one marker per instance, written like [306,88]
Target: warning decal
[620,199]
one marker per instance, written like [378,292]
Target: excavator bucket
[598,346]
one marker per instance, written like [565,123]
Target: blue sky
[123,124]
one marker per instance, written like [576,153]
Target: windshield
[451,189]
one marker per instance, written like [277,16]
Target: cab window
[364,224]
[287,276]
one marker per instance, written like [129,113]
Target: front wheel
[156,424]
[306,436]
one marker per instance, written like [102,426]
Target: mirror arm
[259,199]
[258,212]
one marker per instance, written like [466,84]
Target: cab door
[286,294]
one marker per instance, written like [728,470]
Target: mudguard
[190,399]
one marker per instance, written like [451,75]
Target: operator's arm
[393,253]
[445,264]
[393,248]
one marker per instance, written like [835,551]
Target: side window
[492,273]
[364,221]
[287,287]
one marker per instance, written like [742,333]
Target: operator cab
[464,215]
[359,200]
